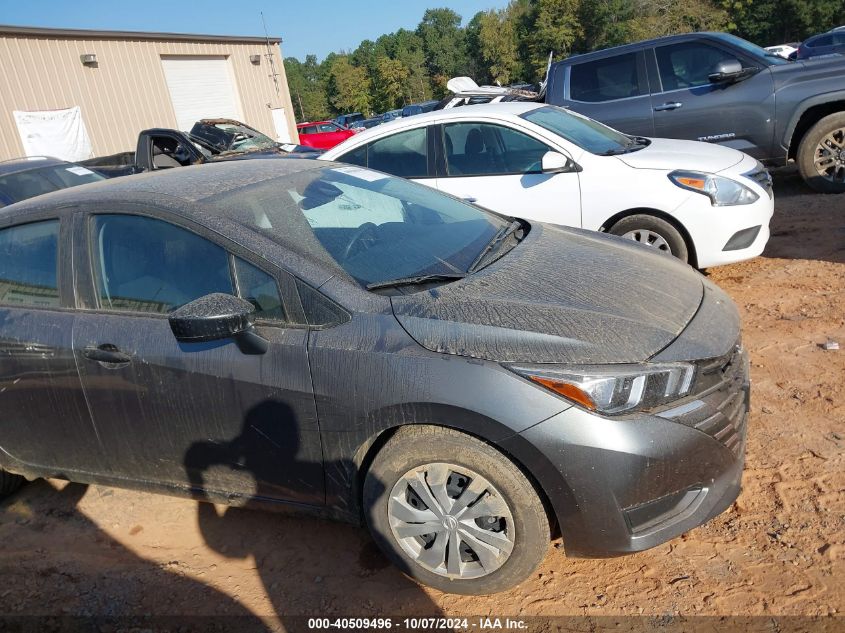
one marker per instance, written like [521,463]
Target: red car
[322,134]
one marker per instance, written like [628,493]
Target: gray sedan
[321,337]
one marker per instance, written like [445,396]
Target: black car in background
[24,178]
[346,120]
[419,108]
[328,338]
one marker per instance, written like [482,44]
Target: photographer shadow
[308,566]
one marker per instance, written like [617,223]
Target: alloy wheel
[451,521]
[829,157]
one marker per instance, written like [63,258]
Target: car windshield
[771,58]
[35,182]
[245,139]
[375,227]
[587,134]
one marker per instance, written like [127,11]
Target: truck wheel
[9,483]
[454,513]
[821,155]
[652,231]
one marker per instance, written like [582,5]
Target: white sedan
[705,204]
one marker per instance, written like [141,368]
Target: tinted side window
[28,258]
[328,127]
[310,129]
[605,79]
[260,289]
[355,157]
[404,154]
[824,40]
[26,184]
[147,265]
[477,149]
[688,64]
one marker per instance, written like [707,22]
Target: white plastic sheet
[57,133]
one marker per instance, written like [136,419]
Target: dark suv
[717,88]
[828,43]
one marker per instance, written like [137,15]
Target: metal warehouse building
[100,88]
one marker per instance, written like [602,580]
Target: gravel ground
[67,549]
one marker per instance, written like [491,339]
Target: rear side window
[824,40]
[147,265]
[28,263]
[309,129]
[606,79]
[688,65]
[404,154]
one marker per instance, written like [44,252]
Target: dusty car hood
[562,296]
[669,154]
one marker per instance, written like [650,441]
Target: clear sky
[319,26]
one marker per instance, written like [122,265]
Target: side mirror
[556,163]
[214,317]
[727,70]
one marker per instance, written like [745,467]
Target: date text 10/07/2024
[483,623]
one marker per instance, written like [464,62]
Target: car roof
[636,46]
[506,108]
[181,192]
[16,165]
[185,184]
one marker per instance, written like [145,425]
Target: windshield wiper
[416,280]
[501,236]
[635,143]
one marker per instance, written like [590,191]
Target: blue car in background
[823,44]
[23,178]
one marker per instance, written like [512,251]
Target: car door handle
[671,105]
[106,353]
[469,199]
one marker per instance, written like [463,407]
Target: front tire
[654,232]
[821,155]
[454,513]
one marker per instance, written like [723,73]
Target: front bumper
[626,484]
[712,228]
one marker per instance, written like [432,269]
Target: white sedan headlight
[721,191]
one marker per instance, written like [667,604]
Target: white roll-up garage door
[200,88]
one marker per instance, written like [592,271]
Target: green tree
[307,91]
[407,47]
[477,67]
[656,18]
[768,22]
[348,86]
[556,27]
[443,42]
[497,46]
[604,23]
[392,82]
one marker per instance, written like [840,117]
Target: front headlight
[613,388]
[721,191]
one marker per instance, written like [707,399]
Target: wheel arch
[368,451]
[808,118]
[692,254]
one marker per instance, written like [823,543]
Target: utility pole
[269,55]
